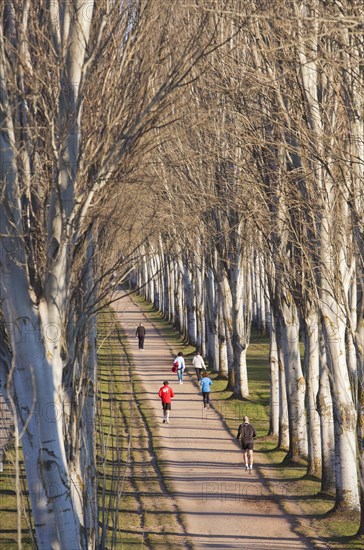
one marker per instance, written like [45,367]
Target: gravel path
[222,505]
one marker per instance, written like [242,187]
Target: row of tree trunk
[230,142]
[315,395]
[269,226]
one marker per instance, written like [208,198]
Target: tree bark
[312,374]
[324,405]
[295,382]
[274,382]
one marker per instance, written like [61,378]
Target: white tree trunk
[212,312]
[312,372]
[332,292]
[223,355]
[351,348]
[262,300]
[289,331]
[88,466]
[324,403]
[190,305]
[274,382]
[57,524]
[283,439]
[158,288]
[171,281]
[257,291]
[240,338]
[37,372]
[360,347]
[226,312]
[151,276]
[345,414]
[179,300]
[200,310]
[335,265]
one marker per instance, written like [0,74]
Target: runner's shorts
[166,406]
[247,446]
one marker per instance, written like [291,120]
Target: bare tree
[81,86]
[273,148]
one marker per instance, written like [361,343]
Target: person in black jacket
[140,334]
[246,434]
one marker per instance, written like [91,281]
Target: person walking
[199,364]
[205,384]
[181,366]
[140,334]
[246,434]
[166,394]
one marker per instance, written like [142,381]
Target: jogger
[205,384]
[246,434]
[181,366]
[166,394]
[140,334]
[199,364]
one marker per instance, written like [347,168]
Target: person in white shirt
[181,366]
[199,364]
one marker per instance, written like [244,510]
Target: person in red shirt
[166,394]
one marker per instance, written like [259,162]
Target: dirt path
[223,506]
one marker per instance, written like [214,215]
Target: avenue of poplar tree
[83,87]
[263,180]
[218,147]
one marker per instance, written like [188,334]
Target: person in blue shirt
[205,384]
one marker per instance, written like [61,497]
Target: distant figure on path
[199,364]
[181,366]
[166,394]
[140,334]
[246,434]
[205,384]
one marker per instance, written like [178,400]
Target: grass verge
[141,513]
[8,506]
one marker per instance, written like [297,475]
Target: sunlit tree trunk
[223,353]
[190,307]
[37,360]
[284,431]
[200,299]
[88,465]
[274,382]
[226,316]
[178,289]
[312,375]
[325,410]
[295,382]
[240,332]
[212,313]
[351,348]
[171,288]
[345,414]
[360,348]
